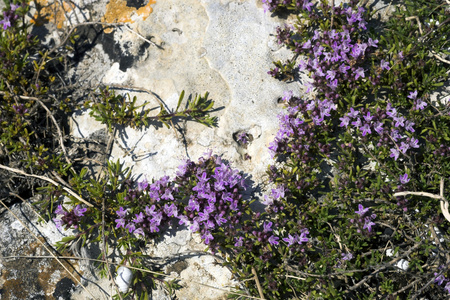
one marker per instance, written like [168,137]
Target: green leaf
[179,100]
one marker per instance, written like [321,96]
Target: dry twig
[258,285]
[47,179]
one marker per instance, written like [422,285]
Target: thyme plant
[356,204]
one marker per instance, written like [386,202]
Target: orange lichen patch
[51,11]
[118,11]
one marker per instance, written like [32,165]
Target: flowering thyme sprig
[69,218]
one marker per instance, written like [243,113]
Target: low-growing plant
[112,110]
[353,211]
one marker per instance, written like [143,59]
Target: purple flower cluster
[215,199]
[297,137]
[344,257]
[388,124]
[273,202]
[363,221]
[296,238]
[154,207]
[419,104]
[262,233]
[404,178]
[334,59]
[9,17]
[68,219]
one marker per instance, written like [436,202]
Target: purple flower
[273,240]
[365,129]
[404,147]
[414,143]
[413,95]
[167,195]
[409,126]
[219,185]
[379,128]
[362,47]
[239,241]
[130,227]
[290,240]
[139,231]
[307,5]
[353,113]
[447,287]
[203,216]
[207,237]
[120,223]
[384,65]
[346,256]
[344,121]
[317,120]
[359,73]
[311,105]
[395,135]
[148,211]
[420,104]
[318,51]
[439,279]
[267,227]
[303,238]
[287,96]
[368,225]
[79,212]
[404,178]
[6,22]
[356,51]
[59,210]
[330,75]
[391,111]
[267,200]
[334,84]
[307,45]
[157,218]
[209,224]
[183,220]
[13,7]
[278,192]
[372,43]
[357,123]
[139,218]
[121,212]
[361,210]
[171,210]
[20,109]
[343,68]
[234,206]
[368,117]
[302,65]
[220,220]
[58,223]
[399,121]
[142,185]
[394,153]
[154,227]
